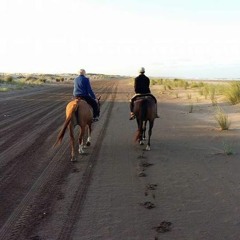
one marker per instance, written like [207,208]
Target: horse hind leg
[144,130]
[80,141]
[88,143]
[72,143]
[148,148]
[141,134]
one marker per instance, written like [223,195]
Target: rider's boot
[132,116]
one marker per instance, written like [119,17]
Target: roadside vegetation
[229,91]
[10,82]
[216,92]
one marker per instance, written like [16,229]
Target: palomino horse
[78,112]
[145,111]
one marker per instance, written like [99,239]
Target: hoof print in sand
[145,164]
[148,205]
[163,227]
[151,186]
[142,174]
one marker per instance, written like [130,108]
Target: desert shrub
[228,150]
[200,92]
[9,79]
[169,86]
[153,82]
[206,91]
[42,80]
[232,93]
[197,84]
[212,92]
[222,119]
[190,107]
[189,96]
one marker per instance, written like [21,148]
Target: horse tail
[143,110]
[65,125]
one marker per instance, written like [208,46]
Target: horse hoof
[73,159]
[148,148]
[141,143]
[88,144]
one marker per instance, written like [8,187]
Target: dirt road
[184,188]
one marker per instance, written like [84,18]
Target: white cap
[142,70]
[82,72]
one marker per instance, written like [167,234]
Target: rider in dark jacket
[82,89]
[141,87]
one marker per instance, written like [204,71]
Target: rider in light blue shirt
[82,89]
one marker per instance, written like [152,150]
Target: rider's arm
[135,85]
[89,89]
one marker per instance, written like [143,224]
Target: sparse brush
[190,107]
[206,91]
[160,81]
[212,92]
[176,94]
[227,149]
[222,119]
[189,96]
[186,85]
[9,79]
[153,82]
[201,92]
[197,84]
[232,93]
[214,102]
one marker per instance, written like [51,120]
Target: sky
[170,38]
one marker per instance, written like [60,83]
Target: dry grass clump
[232,92]
[190,107]
[222,119]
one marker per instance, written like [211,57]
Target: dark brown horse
[78,112]
[145,112]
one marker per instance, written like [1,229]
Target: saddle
[80,98]
[143,96]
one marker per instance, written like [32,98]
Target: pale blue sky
[184,38]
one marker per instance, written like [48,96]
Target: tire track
[78,201]
[21,220]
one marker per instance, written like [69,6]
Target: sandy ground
[185,188]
